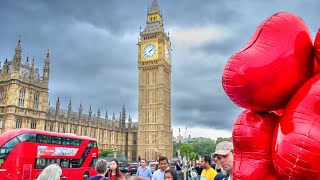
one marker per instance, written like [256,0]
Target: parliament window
[0,123]
[18,122]
[21,97]
[2,95]
[33,124]
[51,126]
[35,101]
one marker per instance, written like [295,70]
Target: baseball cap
[223,148]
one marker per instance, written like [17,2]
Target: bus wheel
[86,175]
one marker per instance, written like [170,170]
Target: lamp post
[115,149]
[156,154]
[145,153]
[145,148]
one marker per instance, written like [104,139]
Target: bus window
[11,144]
[90,145]
[40,163]
[7,147]
[95,144]
[64,163]
[93,162]
[55,140]
[74,163]
[2,150]
[43,138]
[58,161]
[27,138]
[77,142]
[1,161]
[66,141]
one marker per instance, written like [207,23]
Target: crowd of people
[218,166]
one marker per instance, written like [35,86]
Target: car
[132,168]
[172,165]
[123,167]
[153,165]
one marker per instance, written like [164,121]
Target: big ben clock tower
[154,106]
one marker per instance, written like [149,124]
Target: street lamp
[156,154]
[115,149]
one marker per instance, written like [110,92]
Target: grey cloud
[92,63]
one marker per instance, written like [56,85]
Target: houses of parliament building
[24,100]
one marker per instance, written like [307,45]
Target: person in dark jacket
[220,176]
[179,165]
[198,169]
[101,168]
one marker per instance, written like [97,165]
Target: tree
[177,146]
[220,139]
[204,147]
[105,153]
[193,156]
[186,149]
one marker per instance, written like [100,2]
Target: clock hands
[149,50]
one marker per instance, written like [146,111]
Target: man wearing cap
[224,154]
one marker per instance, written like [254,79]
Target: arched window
[21,97]
[35,101]
[0,123]
[51,127]
[33,124]
[18,122]
[2,94]
[63,129]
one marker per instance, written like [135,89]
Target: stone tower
[23,93]
[154,106]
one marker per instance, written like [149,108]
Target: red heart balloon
[297,147]
[317,46]
[275,62]
[278,112]
[252,140]
[316,68]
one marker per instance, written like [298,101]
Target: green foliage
[177,146]
[193,156]
[186,149]
[194,149]
[104,153]
[220,139]
[204,147]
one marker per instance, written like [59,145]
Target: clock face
[167,53]
[149,51]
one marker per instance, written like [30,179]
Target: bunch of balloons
[275,78]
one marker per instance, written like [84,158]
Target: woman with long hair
[171,174]
[114,172]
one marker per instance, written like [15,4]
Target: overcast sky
[94,53]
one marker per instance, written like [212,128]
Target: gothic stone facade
[24,100]
[24,104]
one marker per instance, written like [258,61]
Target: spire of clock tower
[154,8]
[154,20]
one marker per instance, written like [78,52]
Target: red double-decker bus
[25,152]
